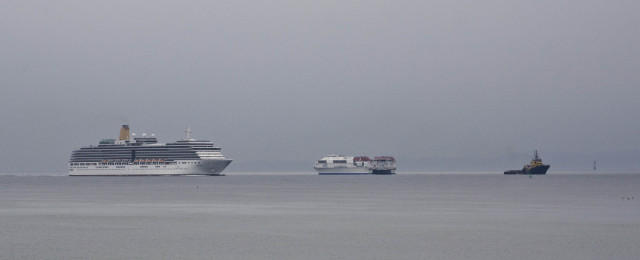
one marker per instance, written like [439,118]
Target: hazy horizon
[297,80]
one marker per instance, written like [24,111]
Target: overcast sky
[296,80]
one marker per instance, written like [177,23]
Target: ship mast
[188,132]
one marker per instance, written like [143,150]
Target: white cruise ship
[144,156]
[358,165]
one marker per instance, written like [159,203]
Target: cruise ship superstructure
[144,156]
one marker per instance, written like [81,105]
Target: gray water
[580,215]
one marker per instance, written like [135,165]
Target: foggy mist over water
[296,80]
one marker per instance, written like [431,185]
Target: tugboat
[534,168]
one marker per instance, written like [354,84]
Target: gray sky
[296,80]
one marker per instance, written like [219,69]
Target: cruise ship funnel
[124,133]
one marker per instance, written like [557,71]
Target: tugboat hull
[538,170]
[542,169]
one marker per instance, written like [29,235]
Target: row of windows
[117,167]
[124,155]
[150,147]
[138,151]
[142,152]
[100,165]
[334,161]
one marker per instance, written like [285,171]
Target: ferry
[144,156]
[355,165]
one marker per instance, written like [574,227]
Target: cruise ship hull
[202,167]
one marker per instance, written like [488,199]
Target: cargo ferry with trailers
[383,165]
[144,156]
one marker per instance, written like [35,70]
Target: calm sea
[573,215]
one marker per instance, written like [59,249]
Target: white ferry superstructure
[144,156]
[343,165]
[358,165]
